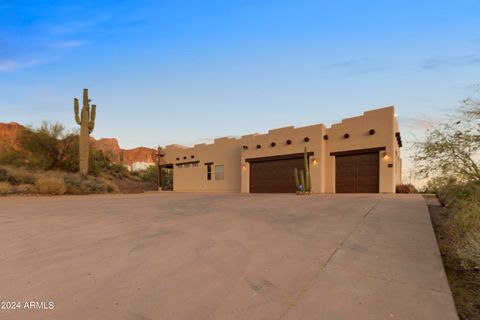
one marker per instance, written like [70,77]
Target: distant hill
[8,131]
[130,157]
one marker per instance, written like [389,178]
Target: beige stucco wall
[224,151]
[384,122]
[230,153]
[280,136]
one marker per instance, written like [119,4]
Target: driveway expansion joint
[324,264]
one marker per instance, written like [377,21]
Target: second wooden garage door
[358,173]
[274,176]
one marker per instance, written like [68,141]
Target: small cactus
[297,180]
[305,180]
[308,186]
[302,181]
[86,120]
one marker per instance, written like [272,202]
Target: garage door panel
[345,176]
[367,158]
[358,173]
[274,176]
[367,170]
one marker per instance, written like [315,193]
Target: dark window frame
[209,171]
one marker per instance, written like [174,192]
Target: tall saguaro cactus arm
[76,110]
[91,122]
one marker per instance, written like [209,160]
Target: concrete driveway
[221,256]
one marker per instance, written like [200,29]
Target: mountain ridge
[109,146]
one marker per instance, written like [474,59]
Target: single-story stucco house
[357,155]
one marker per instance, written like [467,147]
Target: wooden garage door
[358,173]
[274,176]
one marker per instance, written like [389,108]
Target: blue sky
[185,72]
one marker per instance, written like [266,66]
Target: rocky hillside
[8,131]
[109,146]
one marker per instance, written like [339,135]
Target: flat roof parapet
[224,139]
[366,113]
[289,128]
[176,146]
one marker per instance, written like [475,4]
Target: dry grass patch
[50,185]
[5,188]
[405,188]
[25,189]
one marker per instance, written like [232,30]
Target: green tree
[150,174]
[69,148]
[40,147]
[452,148]
[49,148]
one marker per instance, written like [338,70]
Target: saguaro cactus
[297,180]
[302,181]
[86,120]
[308,186]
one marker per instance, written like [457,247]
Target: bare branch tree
[452,148]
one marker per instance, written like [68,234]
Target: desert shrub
[69,153]
[98,162]
[436,184]
[92,186]
[73,184]
[455,194]
[25,189]
[136,173]
[40,147]
[5,188]
[110,185]
[50,185]
[3,174]
[17,175]
[50,148]
[405,188]
[118,171]
[9,153]
[463,200]
[150,174]
[98,185]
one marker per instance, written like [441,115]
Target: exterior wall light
[273,144]
[314,161]
[386,156]
[244,166]
[289,141]
[346,135]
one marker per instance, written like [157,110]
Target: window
[187,165]
[219,172]
[195,164]
[209,172]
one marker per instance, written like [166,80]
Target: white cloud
[11,65]
[68,44]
